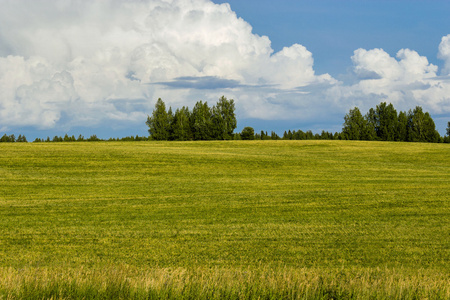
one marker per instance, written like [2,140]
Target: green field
[234,219]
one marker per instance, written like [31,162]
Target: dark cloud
[129,105]
[364,74]
[201,83]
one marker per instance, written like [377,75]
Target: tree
[93,138]
[430,133]
[369,132]
[402,127]
[248,133]
[386,121]
[21,139]
[201,123]
[223,119]
[354,125]
[170,117]
[299,135]
[421,127]
[57,139]
[159,123]
[181,130]
[415,124]
[447,138]
[274,136]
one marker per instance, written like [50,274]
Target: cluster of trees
[384,124]
[309,135]
[12,139]
[381,123]
[202,123]
[92,138]
[248,134]
[67,138]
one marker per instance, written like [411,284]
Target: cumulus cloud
[444,53]
[406,80]
[84,63]
[81,58]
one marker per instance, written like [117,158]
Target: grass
[238,220]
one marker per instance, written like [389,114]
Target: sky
[98,67]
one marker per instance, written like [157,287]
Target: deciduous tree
[354,125]
[248,133]
[159,122]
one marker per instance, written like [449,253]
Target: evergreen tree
[21,139]
[262,135]
[159,123]
[300,135]
[289,135]
[274,136]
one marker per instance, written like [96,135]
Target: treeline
[12,139]
[248,134]
[202,123]
[384,124]
[92,138]
[57,139]
[381,123]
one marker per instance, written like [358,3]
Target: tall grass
[120,282]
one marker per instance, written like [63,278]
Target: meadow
[225,219]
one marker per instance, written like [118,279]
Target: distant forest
[381,123]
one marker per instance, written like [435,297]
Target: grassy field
[237,220]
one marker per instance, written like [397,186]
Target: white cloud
[444,53]
[75,57]
[84,63]
[406,81]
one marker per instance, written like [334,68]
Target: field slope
[237,219]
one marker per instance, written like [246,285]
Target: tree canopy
[384,124]
[202,123]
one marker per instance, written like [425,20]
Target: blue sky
[98,67]
[333,29]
